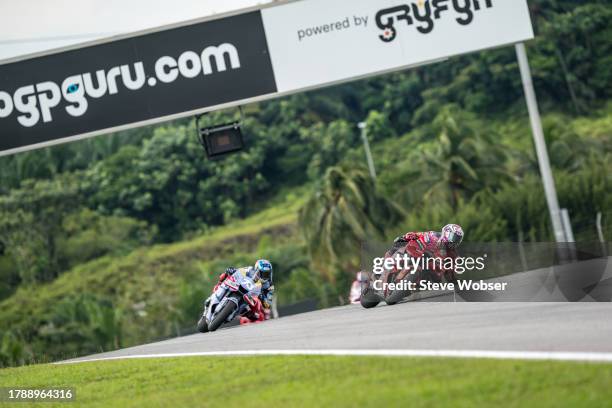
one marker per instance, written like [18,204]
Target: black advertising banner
[156,75]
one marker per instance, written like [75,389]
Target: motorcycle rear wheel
[369,298]
[398,295]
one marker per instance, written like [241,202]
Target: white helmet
[452,235]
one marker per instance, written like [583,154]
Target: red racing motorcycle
[391,279]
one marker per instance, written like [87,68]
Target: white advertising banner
[316,42]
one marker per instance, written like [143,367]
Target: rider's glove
[400,240]
[230,271]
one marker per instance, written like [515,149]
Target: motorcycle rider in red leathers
[430,243]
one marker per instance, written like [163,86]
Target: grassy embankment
[322,381]
[155,276]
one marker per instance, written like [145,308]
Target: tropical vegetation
[116,240]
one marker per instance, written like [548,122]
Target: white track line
[504,355]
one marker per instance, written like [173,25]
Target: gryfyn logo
[36,101]
[424,13]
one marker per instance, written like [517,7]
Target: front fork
[214,299]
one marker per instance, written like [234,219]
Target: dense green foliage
[154,291]
[133,227]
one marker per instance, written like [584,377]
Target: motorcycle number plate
[248,285]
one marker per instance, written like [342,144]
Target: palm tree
[344,211]
[461,161]
[567,149]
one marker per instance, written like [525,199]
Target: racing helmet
[451,236]
[263,269]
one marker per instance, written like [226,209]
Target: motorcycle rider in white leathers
[261,273]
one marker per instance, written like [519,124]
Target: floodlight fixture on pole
[220,140]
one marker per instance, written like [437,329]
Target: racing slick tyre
[369,298]
[396,297]
[220,318]
[202,326]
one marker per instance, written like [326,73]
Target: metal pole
[569,234]
[599,229]
[567,225]
[366,145]
[540,144]
[601,234]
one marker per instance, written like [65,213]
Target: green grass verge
[323,381]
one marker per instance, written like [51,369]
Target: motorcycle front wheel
[369,298]
[202,326]
[220,317]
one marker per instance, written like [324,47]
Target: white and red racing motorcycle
[236,295]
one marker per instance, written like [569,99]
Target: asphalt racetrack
[538,330]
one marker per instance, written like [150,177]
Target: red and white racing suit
[418,244]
